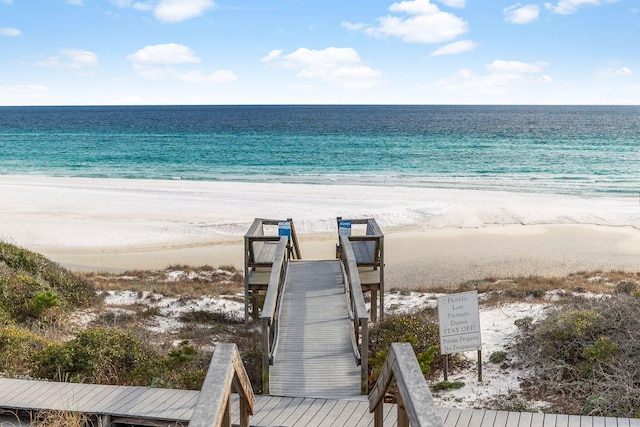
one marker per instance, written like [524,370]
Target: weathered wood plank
[501,419]
[476,419]
[295,414]
[525,419]
[537,420]
[314,334]
[574,421]
[514,419]
[488,418]
[282,411]
[464,420]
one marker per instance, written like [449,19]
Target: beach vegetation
[36,290]
[498,357]
[421,331]
[585,354]
[446,385]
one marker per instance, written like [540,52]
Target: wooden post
[445,362]
[479,366]
[364,359]
[374,305]
[403,419]
[378,415]
[226,420]
[266,349]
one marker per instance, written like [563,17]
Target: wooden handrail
[226,371]
[253,260]
[374,235]
[270,310]
[415,403]
[360,317]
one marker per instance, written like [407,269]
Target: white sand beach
[432,236]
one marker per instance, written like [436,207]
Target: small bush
[17,348]
[498,357]
[33,289]
[98,355]
[446,385]
[587,353]
[421,330]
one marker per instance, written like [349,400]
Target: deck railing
[270,310]
[259,256]
[414,402]
[226,374]
[357,312]
[369,255]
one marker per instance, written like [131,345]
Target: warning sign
[459,323]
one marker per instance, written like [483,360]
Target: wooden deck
[140,403]
[162,404]
[314,356]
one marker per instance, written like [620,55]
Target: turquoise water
[555,149]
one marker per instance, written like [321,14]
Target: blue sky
[122,52]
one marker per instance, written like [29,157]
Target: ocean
[577,150]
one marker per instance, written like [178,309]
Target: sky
[148,52]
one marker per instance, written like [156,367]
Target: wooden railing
[226,374]
[414,402]
[357,312]
[259,256]
[369,255]
[270,310]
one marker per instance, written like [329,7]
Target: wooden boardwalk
[315,356]
[136,403]
[118,401]
[162,404]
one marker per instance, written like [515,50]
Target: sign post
[459,320]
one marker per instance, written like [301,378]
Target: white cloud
[181,10]
[10,32]
[165,60]
[455,48]
[73,59]
[454,3]
[354,27]
[273,55]
[426,23]
[503,77]
[7,1]
[567,7]
[23,94]
[161,54]
[338,66]
[171,11]
[617,72]
[515,67]
[518,14]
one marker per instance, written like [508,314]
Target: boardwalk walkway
[315,355]
[138,403]
[177,406]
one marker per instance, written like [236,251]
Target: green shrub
[33,288]
[446,385]
[524,322]
[420,330]
[17,348]
[98,355]
[587,352]
[498,357]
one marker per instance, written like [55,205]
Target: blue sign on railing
[284,229]
[344,228]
